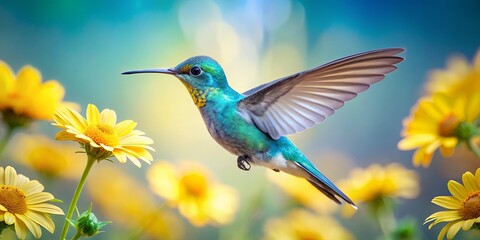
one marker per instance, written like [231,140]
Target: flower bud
[87,224]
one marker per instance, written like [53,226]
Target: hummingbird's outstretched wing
[299,101]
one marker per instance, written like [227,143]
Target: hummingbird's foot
[276,170]
[242,162]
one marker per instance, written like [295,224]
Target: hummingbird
[253,125]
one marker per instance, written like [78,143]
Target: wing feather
[299,101]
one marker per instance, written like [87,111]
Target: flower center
[195,184]
[13,199]
[305,234]
[448,125]
[470,207]
[102,133]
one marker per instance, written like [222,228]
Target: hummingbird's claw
[242,162]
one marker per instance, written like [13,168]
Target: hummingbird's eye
[195,71]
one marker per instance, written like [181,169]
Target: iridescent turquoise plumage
[253,125]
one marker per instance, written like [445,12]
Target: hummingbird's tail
[323,184]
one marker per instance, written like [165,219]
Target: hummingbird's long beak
[153,70]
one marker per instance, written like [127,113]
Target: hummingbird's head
[198,72]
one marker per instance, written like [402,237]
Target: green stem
[5,139]
[473,147]
[385,218]
[90,161]
[77,236]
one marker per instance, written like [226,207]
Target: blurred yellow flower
[377,182]
[23,203]
[301,225]
[48,157]
[460,78]
[127,202]
[434,123]
[463,206]
[101,136]
[26,95]
[302,191]
[198,198]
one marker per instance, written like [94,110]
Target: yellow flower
[302,191]
[377,182]
[23,203]
[198,198]
[26,95]
[300,225]
[101,136]
[463,206]
[127,202]
[434,123]
[458,79]
[46,156]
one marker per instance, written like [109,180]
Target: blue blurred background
[87,44]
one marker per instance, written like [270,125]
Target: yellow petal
[443,216]
[42,219]
[431,147]
[135,161]
[39,198]
[444,231]
[119,156]
[46,101]
[472,111]
[7,79]
[9,218]
[470,182]
[459,106]
[2,176]
[442,103]
[4,209]
[420,157]
[65,136]
[28,80]
[46,208]
[164,178]
[454,229]
[32,187]
[108,148]
[450,142]
[138,152]
[21,230]
[429,108]
[447,202]
[477,176]
[458,190]
[22,180]
[93,143]
[415,141]
[136,140]
[93,115]
[468,224]
[446,152]
[125,127]
[65,116]
[34,228]
[10,176]
[109,117]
